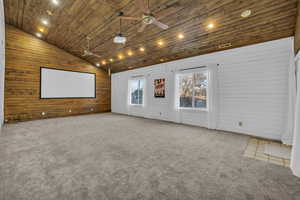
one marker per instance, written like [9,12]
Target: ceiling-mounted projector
[120,39]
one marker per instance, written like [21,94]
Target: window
[193,90]
[136,92]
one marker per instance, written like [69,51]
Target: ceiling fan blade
[81,49]
[96,55]
[141,4]
[142,28]
[131,18]
[167,11]
[161,25]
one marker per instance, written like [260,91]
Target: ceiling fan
[151,18]
[119,38]
[87,51]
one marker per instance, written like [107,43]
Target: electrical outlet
[92,109]
[240,123]
[220,68]
[70,111]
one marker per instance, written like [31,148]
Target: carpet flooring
[116,157]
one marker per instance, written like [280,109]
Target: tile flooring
[255,150]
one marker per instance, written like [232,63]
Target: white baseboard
[287,141]
[296,172]
[295,166]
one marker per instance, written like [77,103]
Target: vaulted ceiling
[71,21]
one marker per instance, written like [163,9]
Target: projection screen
[56,84]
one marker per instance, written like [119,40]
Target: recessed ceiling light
[45,22]
[41,30]
[162,60]
[210,26]
[98,64]
[180,36]
[55,2]
[111,60]
[38,35]
[246,13]
[160,43]
[120,56]
[142,49]
[103,62]
[130,53]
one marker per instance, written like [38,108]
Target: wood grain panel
[73,20]
[25,55]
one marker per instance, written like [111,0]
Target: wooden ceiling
[73,20]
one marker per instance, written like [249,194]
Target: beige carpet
[115,157]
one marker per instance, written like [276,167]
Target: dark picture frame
[160,88]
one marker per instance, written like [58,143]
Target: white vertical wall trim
[2,62]
[295,158]
[177,113]
[250,86]
[213,96]
[287,137]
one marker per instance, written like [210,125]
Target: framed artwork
[159,88]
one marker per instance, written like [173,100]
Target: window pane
[200,90]
[141,91]
[134,85]
[186,91]
[136,88]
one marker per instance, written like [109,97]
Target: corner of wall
[294,167]
[2,62]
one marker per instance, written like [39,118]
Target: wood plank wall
[297,30]
[25,54]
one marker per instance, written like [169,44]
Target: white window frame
[177,90]
[130,90]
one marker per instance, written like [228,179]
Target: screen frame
[95,93]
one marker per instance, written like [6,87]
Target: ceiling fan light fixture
[55,2]
[148,19]
[45,22]
[39,35]
[246,13]
[120,39]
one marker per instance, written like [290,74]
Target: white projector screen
[67,84]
